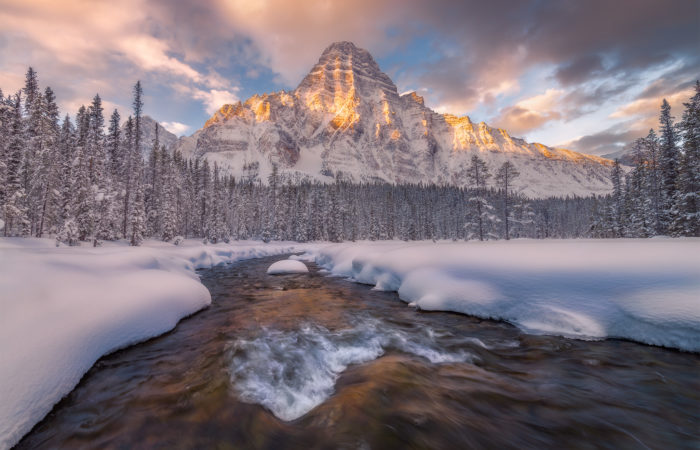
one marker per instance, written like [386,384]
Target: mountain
[148,134]
[626,156]
[346,118]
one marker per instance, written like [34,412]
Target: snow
[646,290]
[63,308]
[287,266]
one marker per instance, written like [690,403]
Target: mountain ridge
[347,117]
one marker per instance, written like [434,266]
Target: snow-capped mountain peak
[346,118]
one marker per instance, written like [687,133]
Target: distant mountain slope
[347,118]
[148,134]
[626,156]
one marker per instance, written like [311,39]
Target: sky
[586,75]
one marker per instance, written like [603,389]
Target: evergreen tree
[616,228]
[505,176]
[31,89]
[478,176]
[686,209]
[14,208]
[137,216]
[167,204]
[668,161]
[114,145]
[50,164]
[128,165]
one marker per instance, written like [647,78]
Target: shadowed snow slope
[647,290]
[61,309]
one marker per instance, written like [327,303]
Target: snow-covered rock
[646,290]
[63,308]
[346,118]
[287,266]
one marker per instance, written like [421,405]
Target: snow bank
[61,309]
[647,290]
[287,266]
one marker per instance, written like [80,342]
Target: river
[310,361]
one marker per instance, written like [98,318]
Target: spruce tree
[14,207]
[668,162]
[128,164]
[505,176]
[617,205]
[114,144]
[478,176]
[686,209]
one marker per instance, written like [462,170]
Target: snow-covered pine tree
[50,165]
[137,213]
[482,211]
[153,188]
[505,176]
[617,205]
[33,169]
[128,163]
[653,175]
[138,111]
[113,145]
[167,204]
[217,229]
[66,146]
[686,209]
[84,196]
[640,211]
[14,208]
[668,162]
[4,140]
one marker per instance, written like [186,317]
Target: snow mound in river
[287,266]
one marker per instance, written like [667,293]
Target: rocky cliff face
[148,135]
[346,118]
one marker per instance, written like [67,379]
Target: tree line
[660,195]
[87,181]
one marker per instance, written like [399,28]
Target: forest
[85,180]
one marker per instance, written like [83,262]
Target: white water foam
[292,372]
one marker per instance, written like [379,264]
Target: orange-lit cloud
[531,113]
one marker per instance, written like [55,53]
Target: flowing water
[308,361]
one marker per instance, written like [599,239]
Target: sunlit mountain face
[588,76]
[347,119]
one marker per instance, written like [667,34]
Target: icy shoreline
[645,290]
[64,308]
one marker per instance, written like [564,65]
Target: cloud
[580,70]
[177,128]
[212,99]
[530,113]
[290,36]
[646,109]
[82,47]
[610,140]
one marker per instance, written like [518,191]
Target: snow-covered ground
[646,290]
[61,309]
